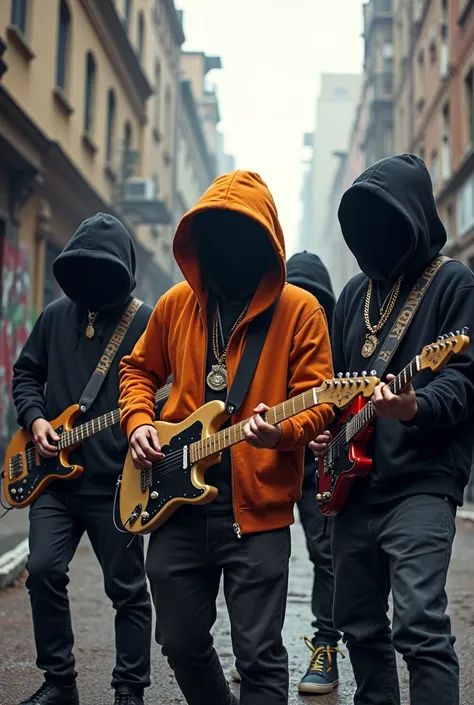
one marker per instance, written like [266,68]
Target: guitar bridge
[145,479]
[15,467]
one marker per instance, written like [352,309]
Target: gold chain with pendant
[90,330]
[217,377]
[371,340]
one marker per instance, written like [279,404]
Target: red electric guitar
[346,457]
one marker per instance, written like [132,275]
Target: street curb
[12,563]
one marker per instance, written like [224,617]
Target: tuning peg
[340,375]
[373,373]
[440,337]
[458,332]
[364,373]
[465,330]
[348,374]
[355,374]
[451,334]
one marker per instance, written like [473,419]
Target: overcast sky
[273,52]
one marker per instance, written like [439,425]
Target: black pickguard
[339,464]
[169,478]
[38,469]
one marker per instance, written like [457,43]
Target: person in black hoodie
[96,272]
[397,528]
[307,271]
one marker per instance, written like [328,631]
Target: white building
[335,111]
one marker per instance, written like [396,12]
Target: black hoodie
[96,271]
[390,222]
[308,272]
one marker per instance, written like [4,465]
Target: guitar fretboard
[367,414]
[235,433]
[79,433]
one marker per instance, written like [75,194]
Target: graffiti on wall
[15,326]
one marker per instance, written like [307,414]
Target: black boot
[50,694]
[125,695]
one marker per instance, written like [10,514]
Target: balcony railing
[376,10]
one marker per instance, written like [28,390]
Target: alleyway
[93,624]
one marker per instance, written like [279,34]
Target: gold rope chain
[385,314]
[215,335]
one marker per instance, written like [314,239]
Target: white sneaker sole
[317,688]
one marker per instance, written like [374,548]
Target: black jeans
[404,546]
[57,523]
[318,542]
[186,559]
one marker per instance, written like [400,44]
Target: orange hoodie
[296,357]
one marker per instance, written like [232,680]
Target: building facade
[335,108]
[435,114]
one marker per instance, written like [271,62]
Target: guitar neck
[90,428]
[367,414]
[235,433]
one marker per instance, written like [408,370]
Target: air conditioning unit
[432,36]
[139,190]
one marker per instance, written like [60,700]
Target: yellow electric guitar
[149,497]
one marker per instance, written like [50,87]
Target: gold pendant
[217,378]
[370,345]
[90,331]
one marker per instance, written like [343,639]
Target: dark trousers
[186,559]
[57,523]
[405,546]
[318,542]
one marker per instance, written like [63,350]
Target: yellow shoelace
[320,654]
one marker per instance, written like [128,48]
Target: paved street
[93,618]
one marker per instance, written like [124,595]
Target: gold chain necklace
[90,330]
[371,340]
[217,377]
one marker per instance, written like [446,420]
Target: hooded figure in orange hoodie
[230,248]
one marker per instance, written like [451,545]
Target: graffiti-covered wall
[15,325]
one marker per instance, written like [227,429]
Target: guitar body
[26,474]
[149,497]
[336,473]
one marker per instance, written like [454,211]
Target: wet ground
[93,620]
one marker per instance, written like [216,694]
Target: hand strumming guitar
[145,447]
[260,434]
[44,437]
[320,444]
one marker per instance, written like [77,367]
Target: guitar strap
[256,337]
[103,366]
[392,340]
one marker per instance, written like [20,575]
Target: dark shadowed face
[234,252]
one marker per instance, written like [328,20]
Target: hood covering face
[308,272]
[232,243]
[389,218]
[96,269]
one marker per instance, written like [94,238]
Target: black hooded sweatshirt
[390,222]
[96,271]
[308,272]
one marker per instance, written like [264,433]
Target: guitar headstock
[437,354]
[341,390]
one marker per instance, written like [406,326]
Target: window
[435,168]
[168,119]
[19,14]
[110,132]
[157,99]
[63,44]
[127,14]
[140,37]
[340,93]
[465,207]
[128,157]
[446,144]
[90,93]
[420,81]
[469,83]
